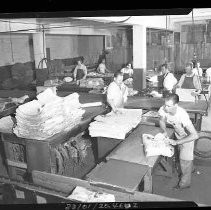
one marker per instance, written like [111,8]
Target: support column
[39,47]
[140,52]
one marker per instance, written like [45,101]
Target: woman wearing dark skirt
[127,71]
[80,71]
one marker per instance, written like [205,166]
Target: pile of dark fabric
[73,158]
[22,76]
[17,152]
[50,114]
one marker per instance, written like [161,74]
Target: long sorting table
[198,108]
[131,150]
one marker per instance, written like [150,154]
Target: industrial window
[108,42]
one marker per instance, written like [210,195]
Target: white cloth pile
[156,94]
[92,83]
[6,124]
[132,92]
[85,195]
[157,145]
[115,125]
[50,114]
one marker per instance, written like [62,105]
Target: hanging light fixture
[11,46]
[166,42]
[194,43]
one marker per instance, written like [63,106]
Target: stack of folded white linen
[50,114]
[157,145]
[115,125]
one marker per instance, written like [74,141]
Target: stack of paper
[115,125]
[50,114]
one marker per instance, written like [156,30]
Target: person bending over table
[80,71]
[102,67]
[185,134]
[167,79]
[117,92]
[189,80]
[127,71]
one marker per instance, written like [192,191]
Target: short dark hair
[117,73]
[80,59]
[128,64]
[164,65]
[173,97]
[189,64]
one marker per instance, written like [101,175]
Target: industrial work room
[106,109]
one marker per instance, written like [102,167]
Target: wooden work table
[38,153]
[198,108]
[131,150]
[150,103]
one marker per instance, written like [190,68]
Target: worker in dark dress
[127,71]
[190,80]
[80,71]
[185,134]
[194,60]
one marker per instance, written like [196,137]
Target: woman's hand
[195,93]
[165,134]
[172,142]
[177,86]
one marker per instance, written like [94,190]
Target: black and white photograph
[106,108]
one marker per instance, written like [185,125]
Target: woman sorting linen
[127,71]
[198,70]
[117,92]
[102,67]
[80,72]
[190,80]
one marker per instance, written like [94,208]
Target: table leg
[148,181]
[167,168]
[195,120]
[200,122]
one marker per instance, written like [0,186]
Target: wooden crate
[38,155]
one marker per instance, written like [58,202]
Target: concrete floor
[200,190]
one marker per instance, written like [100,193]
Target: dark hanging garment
[161,80]
[194,61]
[80,74]
[188,83]
[160,85]
[126,76]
